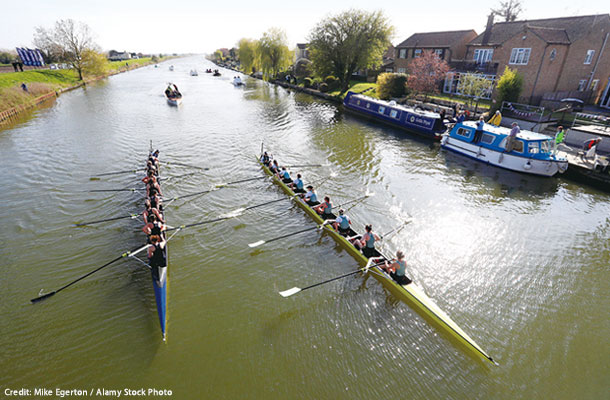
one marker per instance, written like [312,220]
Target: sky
[189,26]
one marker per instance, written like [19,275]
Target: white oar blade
[256,244]
[234,213]
[369,194]
[290,292]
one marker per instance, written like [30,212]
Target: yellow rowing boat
[409,293]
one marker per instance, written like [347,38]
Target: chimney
[487,33]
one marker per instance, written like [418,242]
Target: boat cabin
[526,144]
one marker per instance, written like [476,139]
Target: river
[519,262]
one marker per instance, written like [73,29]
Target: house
[300,53]
[448,45]
[557,57]
[387,60]
[114,55]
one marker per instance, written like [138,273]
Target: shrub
[308,82]
[509,86]
[391,85]
[332,82]
[323,87]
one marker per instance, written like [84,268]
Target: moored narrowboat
[530,153]
[424,123]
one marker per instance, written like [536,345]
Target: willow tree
[347,42]
[69,40]
[247,53]
[274,53]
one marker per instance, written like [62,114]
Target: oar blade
[43,297]
[256,244]
[290,292]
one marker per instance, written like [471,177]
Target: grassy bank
[43,81]
[358,87]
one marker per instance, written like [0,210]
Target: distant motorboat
[216,72]
[174,101]
[237,81]
[171,67]
[194,72]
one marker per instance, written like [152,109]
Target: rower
[367,243]
[284,175]
[154,226]
[311,198]
[325,209]
[156,254]
[149,211]
[397,267]
[341,223]
[274,167]
[297,185]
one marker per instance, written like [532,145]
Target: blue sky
[202,26]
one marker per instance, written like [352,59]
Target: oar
[229,215]
[241,180]
[119,172]
[126,254]
[132,216]
[355,200]
[303,165]
[116,190]
[185,165]
[261,242]
[191,194]
[295,290]
[397,229]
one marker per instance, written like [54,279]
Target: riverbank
[43,84]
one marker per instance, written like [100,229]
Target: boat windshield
[545,146]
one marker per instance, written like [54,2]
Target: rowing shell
[409,293]
[159,280]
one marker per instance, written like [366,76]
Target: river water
[520,263]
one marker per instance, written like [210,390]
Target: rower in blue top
[297,185]
[397,267]
[311,198]
[325,209]
[341,223]
[284,175]
[366,243]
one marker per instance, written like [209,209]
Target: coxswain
[367,242]
[341,223]
[325,209]
[297,185]
[156,253]
[311,198]
[284,175]
[265,159]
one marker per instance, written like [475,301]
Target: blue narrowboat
[424,123]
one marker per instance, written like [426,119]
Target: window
[439,53]
[594,84]
[553,54]
[368,105]
[402,53]
[402,70]
[463,132]
[389,70]
[533,148]
[589,56]
[394,114]
[520,56]
[545,147]
[482,56]
[582,84]
[381,109]
[416,53]
[487,138]
[517,145]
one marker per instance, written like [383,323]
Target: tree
[67,40]
[275,56]
[509,86]
[474,86]
[94,63]
[509,10]
[7,57]
[218,55]
[347,42]
[426,72]
[247,54]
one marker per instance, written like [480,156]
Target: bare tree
[509,10]
[68,41]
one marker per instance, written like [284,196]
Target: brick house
[555,56]
[449,45]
